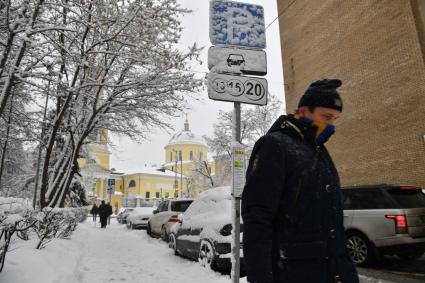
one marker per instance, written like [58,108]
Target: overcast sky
[129,155]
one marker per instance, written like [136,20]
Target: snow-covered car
[204,231]
[139,217]
[166,216]
[123,213]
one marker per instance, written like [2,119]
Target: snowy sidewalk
[95,255]
[114,254]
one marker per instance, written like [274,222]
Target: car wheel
[360,249]
[207,255]
[164,235]
[148,229]
[172,243]
[411,255]
[128,224]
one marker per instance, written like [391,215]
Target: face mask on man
[323,131]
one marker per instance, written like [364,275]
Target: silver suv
[384,219]
[166,216]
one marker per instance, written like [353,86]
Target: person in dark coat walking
[93,211]
[291,203]
[103,214]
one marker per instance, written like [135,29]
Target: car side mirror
[155,211]
[180,218]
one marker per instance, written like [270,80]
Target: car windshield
[408,198]
[180,206]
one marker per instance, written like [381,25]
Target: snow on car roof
[210,211]
[146,210]
[217,193]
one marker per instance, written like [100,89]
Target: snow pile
[18,220]
[233,23]
[9,206]
[13,211]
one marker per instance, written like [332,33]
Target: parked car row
[379,220]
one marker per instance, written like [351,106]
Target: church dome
[186,137]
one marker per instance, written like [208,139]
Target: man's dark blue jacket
[292,210]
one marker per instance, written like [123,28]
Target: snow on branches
[104,64]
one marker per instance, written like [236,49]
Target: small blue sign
[237,24]
[111,182]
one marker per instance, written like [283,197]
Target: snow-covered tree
[102,64]
[255,122]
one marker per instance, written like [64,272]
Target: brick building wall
[376,47]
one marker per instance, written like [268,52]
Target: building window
[132,184]
[200,155]
[191,155]
[171,156]
[167,195]
[172,168]
[148,195]
[180,155]
[157,194]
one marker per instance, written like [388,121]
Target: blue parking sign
[237,24]
[111,182]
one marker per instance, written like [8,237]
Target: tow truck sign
[236,60]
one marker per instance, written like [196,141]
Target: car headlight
[226,230]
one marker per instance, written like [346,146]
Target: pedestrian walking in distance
[291,204]
[109,212]
[103,214]
[94,211]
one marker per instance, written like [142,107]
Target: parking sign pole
[236,121]
[237,31]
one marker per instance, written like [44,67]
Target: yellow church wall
[157,186]
[103,160]
[185,149]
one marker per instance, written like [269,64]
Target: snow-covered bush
[16,216]
[57,223]
[81,213]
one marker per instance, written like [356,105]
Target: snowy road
[115,254]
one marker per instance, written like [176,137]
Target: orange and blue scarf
[322,131]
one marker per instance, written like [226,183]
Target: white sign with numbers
[242,89]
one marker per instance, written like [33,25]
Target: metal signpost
[238,31]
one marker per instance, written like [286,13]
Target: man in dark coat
[103,214]
[93,211]
[291,204]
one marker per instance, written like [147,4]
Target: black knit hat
[322,93]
